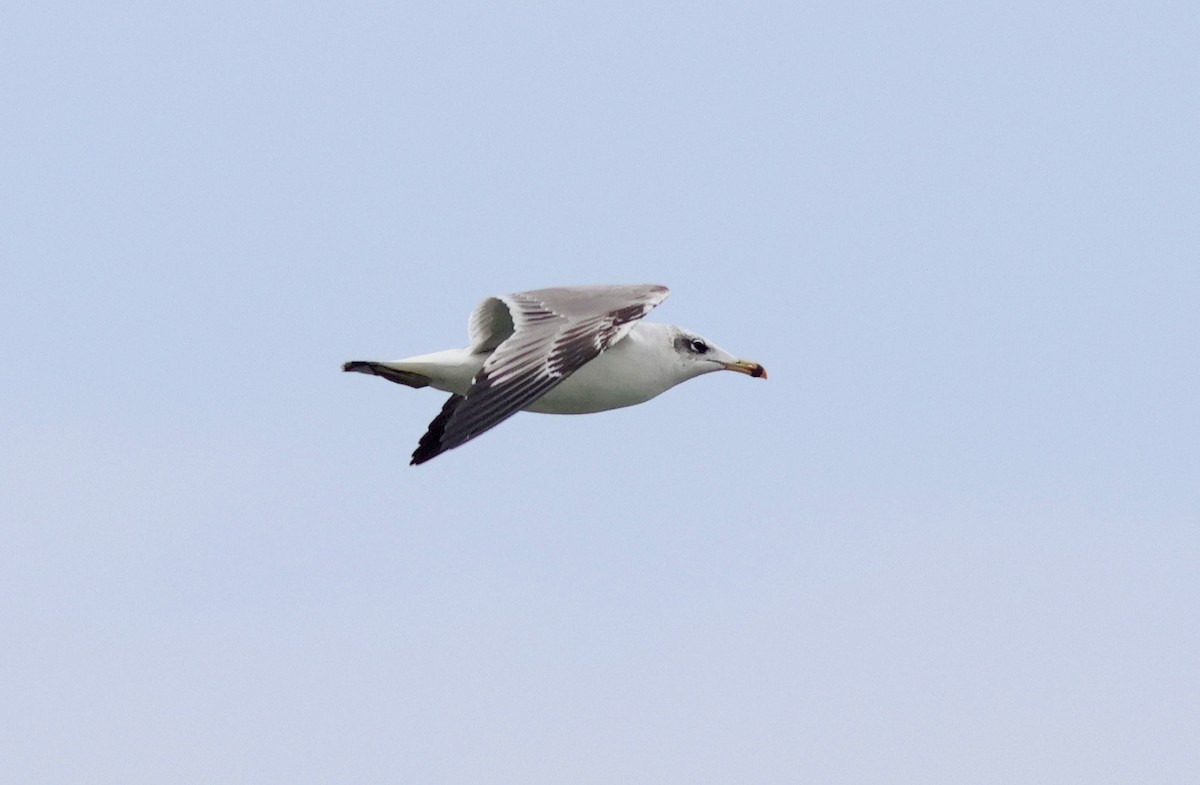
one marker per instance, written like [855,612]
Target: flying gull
[567,350]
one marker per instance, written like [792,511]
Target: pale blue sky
[955,538]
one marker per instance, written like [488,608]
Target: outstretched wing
[554,333]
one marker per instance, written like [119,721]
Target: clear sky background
[955,538]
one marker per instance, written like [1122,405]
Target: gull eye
[698,346]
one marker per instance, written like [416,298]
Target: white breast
[636,369]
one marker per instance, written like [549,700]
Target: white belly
[625,375]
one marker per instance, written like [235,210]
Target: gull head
[697,355]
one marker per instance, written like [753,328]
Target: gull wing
[491,324]
[553,333]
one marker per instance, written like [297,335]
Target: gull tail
[393,372]
[452,370]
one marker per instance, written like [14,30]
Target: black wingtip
[430,445]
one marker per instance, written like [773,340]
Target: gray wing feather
[554,333]
[489,326]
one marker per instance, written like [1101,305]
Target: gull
[565,350]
